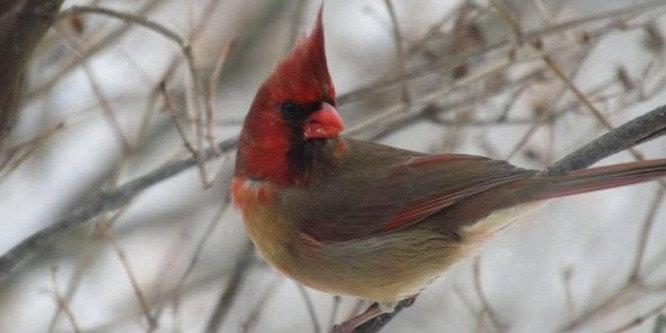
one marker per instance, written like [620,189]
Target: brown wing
[377,189]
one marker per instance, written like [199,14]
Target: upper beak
[324,123]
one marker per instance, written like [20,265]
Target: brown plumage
[357,218]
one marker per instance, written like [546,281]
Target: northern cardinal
[357,218]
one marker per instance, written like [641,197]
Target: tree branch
[637,131]
[101,202]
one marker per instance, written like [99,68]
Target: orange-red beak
[324,123]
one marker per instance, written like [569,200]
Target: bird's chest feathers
[269,230]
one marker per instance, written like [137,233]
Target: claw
[373,311]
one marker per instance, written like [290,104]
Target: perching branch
[639,130]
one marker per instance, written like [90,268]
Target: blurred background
[110,96]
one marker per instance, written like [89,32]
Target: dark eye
[289,109]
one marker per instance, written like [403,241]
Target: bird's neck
[287,162]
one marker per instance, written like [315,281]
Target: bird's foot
[350,325]
[373,311]
[343,328]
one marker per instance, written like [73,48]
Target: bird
[357,218]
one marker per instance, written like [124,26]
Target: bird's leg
[350,325]
[373,311]
[409,301]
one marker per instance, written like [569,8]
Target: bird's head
[292,122]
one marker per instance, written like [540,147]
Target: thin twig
[125,17]
[494,319]
[187,54]
[560,94]
[466,302]
[213,84]
[656,203]
[268,292]
[208,232]
[567,275]
[512,21]
[91,244]
[640,319]
[16,154]
[181,132]
[628,292]
[107,109]
[61,301]
[396,114]
[310,307]
[400,50]
[77,275]
[473,55]
[625,295]
[231,291]
[173,112]
[419,46]
[334,312]
[152,322]
[73,62]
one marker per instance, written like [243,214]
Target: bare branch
[152,322]
[73,62]
[656,203]
[400,49]
[639,320]
[101,202]
[230,293]
[432,67]
[311,311]
[127,18]
[61,301]
[494,319]
[334,312]
[640,130]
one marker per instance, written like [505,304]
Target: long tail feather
[595,179]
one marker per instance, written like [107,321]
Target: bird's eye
[289,109]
